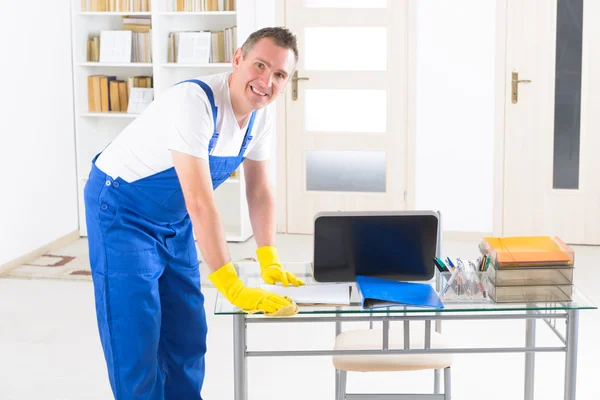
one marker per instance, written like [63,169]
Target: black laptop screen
[399,247]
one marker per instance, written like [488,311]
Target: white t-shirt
[181,119]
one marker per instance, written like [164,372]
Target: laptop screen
[398,246]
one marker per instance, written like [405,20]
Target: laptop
[397,245]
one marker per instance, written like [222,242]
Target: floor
[49,347]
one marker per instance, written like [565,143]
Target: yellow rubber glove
[271,270]
[231,286]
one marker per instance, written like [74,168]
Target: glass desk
[454,310]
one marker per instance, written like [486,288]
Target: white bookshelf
[94,130]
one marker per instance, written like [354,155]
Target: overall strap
[247,136]
[213,106]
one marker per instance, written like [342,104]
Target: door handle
[295,79]
[515,86]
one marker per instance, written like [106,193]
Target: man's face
[263,73]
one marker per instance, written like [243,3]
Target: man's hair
[281,36]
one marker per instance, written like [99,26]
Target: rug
[53,266]
[70,263]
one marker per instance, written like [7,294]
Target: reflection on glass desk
[250,271]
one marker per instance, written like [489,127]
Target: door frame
[499,118]
[281,140]
[410,125]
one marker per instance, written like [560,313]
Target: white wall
[455,111]
[37,154]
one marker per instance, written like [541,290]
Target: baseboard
[32,255]
[464,236]
[458,236]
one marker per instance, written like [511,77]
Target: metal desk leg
[240,362]
[571,354]
[338,378]
[529,358]
[437,374]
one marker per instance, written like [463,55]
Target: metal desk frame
[241,354]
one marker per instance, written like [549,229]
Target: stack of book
[201,5]
[527,269]
[202,47]
[116,5]
[108,94]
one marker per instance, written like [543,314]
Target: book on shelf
[115,46]
[200,5]
[193,47]
[108,94]
[132,43]
[139,99]
[93,48]
[116,5]
[138,23]
[202,47]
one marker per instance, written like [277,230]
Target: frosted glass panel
[345,3]
[345,171]
[345,110]
[345,49]
[567,100]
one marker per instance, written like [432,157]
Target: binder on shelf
[193,47]
[115,46]
[377,292]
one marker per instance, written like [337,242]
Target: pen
[451,280]
[437,265]
[442,264]
[441,267]
[450,262]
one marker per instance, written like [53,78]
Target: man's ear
[238,57]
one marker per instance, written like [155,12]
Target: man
[151,188]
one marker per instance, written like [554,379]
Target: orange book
[91,106]
[113,93]
[123,100]
[528,251]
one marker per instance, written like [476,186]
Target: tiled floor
[49,347]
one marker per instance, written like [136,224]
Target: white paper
[336,293]
[193,47]
[139,99]
[115,46]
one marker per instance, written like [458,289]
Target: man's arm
[261,205]
[196,183]
[261,201]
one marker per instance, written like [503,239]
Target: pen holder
[464,286]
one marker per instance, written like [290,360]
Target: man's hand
[231,286]
[271,270]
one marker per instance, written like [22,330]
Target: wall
[455,111]
[37,153]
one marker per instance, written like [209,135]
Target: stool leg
[337,384]
[342,392]
[447,384]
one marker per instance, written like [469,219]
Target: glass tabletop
[250,272]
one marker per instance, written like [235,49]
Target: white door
[346,119]
[551,163]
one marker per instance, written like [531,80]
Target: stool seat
[371,339]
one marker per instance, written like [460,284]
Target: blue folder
[377,292]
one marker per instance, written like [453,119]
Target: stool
[371,339]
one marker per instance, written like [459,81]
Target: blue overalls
[145,269]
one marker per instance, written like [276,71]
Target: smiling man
[151,189]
